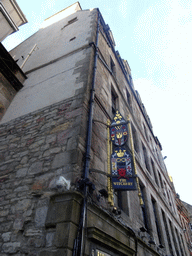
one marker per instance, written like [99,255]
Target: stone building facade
[184,211]
[54,151]
[11,76]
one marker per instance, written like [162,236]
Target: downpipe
[79,243]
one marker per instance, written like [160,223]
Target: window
[154,171]
[145,130]
[70,22]
[182,243]
[174,239]
[146,158]
[135,139]
[178,238]
[156,219]
[167,232]
[112,66]
[169,196]
[73,38]
[143,209]
[114,102]
[128,98]
[161,182]
[158,156]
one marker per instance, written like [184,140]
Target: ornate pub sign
[118,130]
[122,168]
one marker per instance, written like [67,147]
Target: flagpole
[134,162]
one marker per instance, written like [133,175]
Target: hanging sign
[118,130]
[122,170]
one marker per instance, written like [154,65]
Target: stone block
[64,208]
[58,252]
[61,159]
[5,226]
[18,224]
[65,235]
[63,136]
[36,242]
[23,205]
[33,232]
[35,168]
[50,138]
[11,247]
[24,160]
[6,236]
[36,144]
[62,127]
[55,150]
[72,143]
[49,239]
[21,189]
[4,213]
[74,113]
[40,216]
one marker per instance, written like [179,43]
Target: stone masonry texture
[35,149]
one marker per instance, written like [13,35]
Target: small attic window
[70,22]
[73,20]
[73,38]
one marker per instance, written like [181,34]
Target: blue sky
[154,36]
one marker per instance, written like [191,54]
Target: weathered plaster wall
[58,67]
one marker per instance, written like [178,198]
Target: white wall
[50,79]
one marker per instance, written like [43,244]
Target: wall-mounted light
[102,193]
[152,242]
[143,229]
[116,210]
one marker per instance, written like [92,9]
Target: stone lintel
[58,252]
[103,238]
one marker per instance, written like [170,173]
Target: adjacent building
[184,211]
[11,76]
[11,17]
[56,151]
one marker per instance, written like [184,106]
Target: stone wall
[35,149]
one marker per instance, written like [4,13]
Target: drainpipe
[80,241]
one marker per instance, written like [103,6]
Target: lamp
[143,229]
[152,242]
[103,193]
[116,210]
